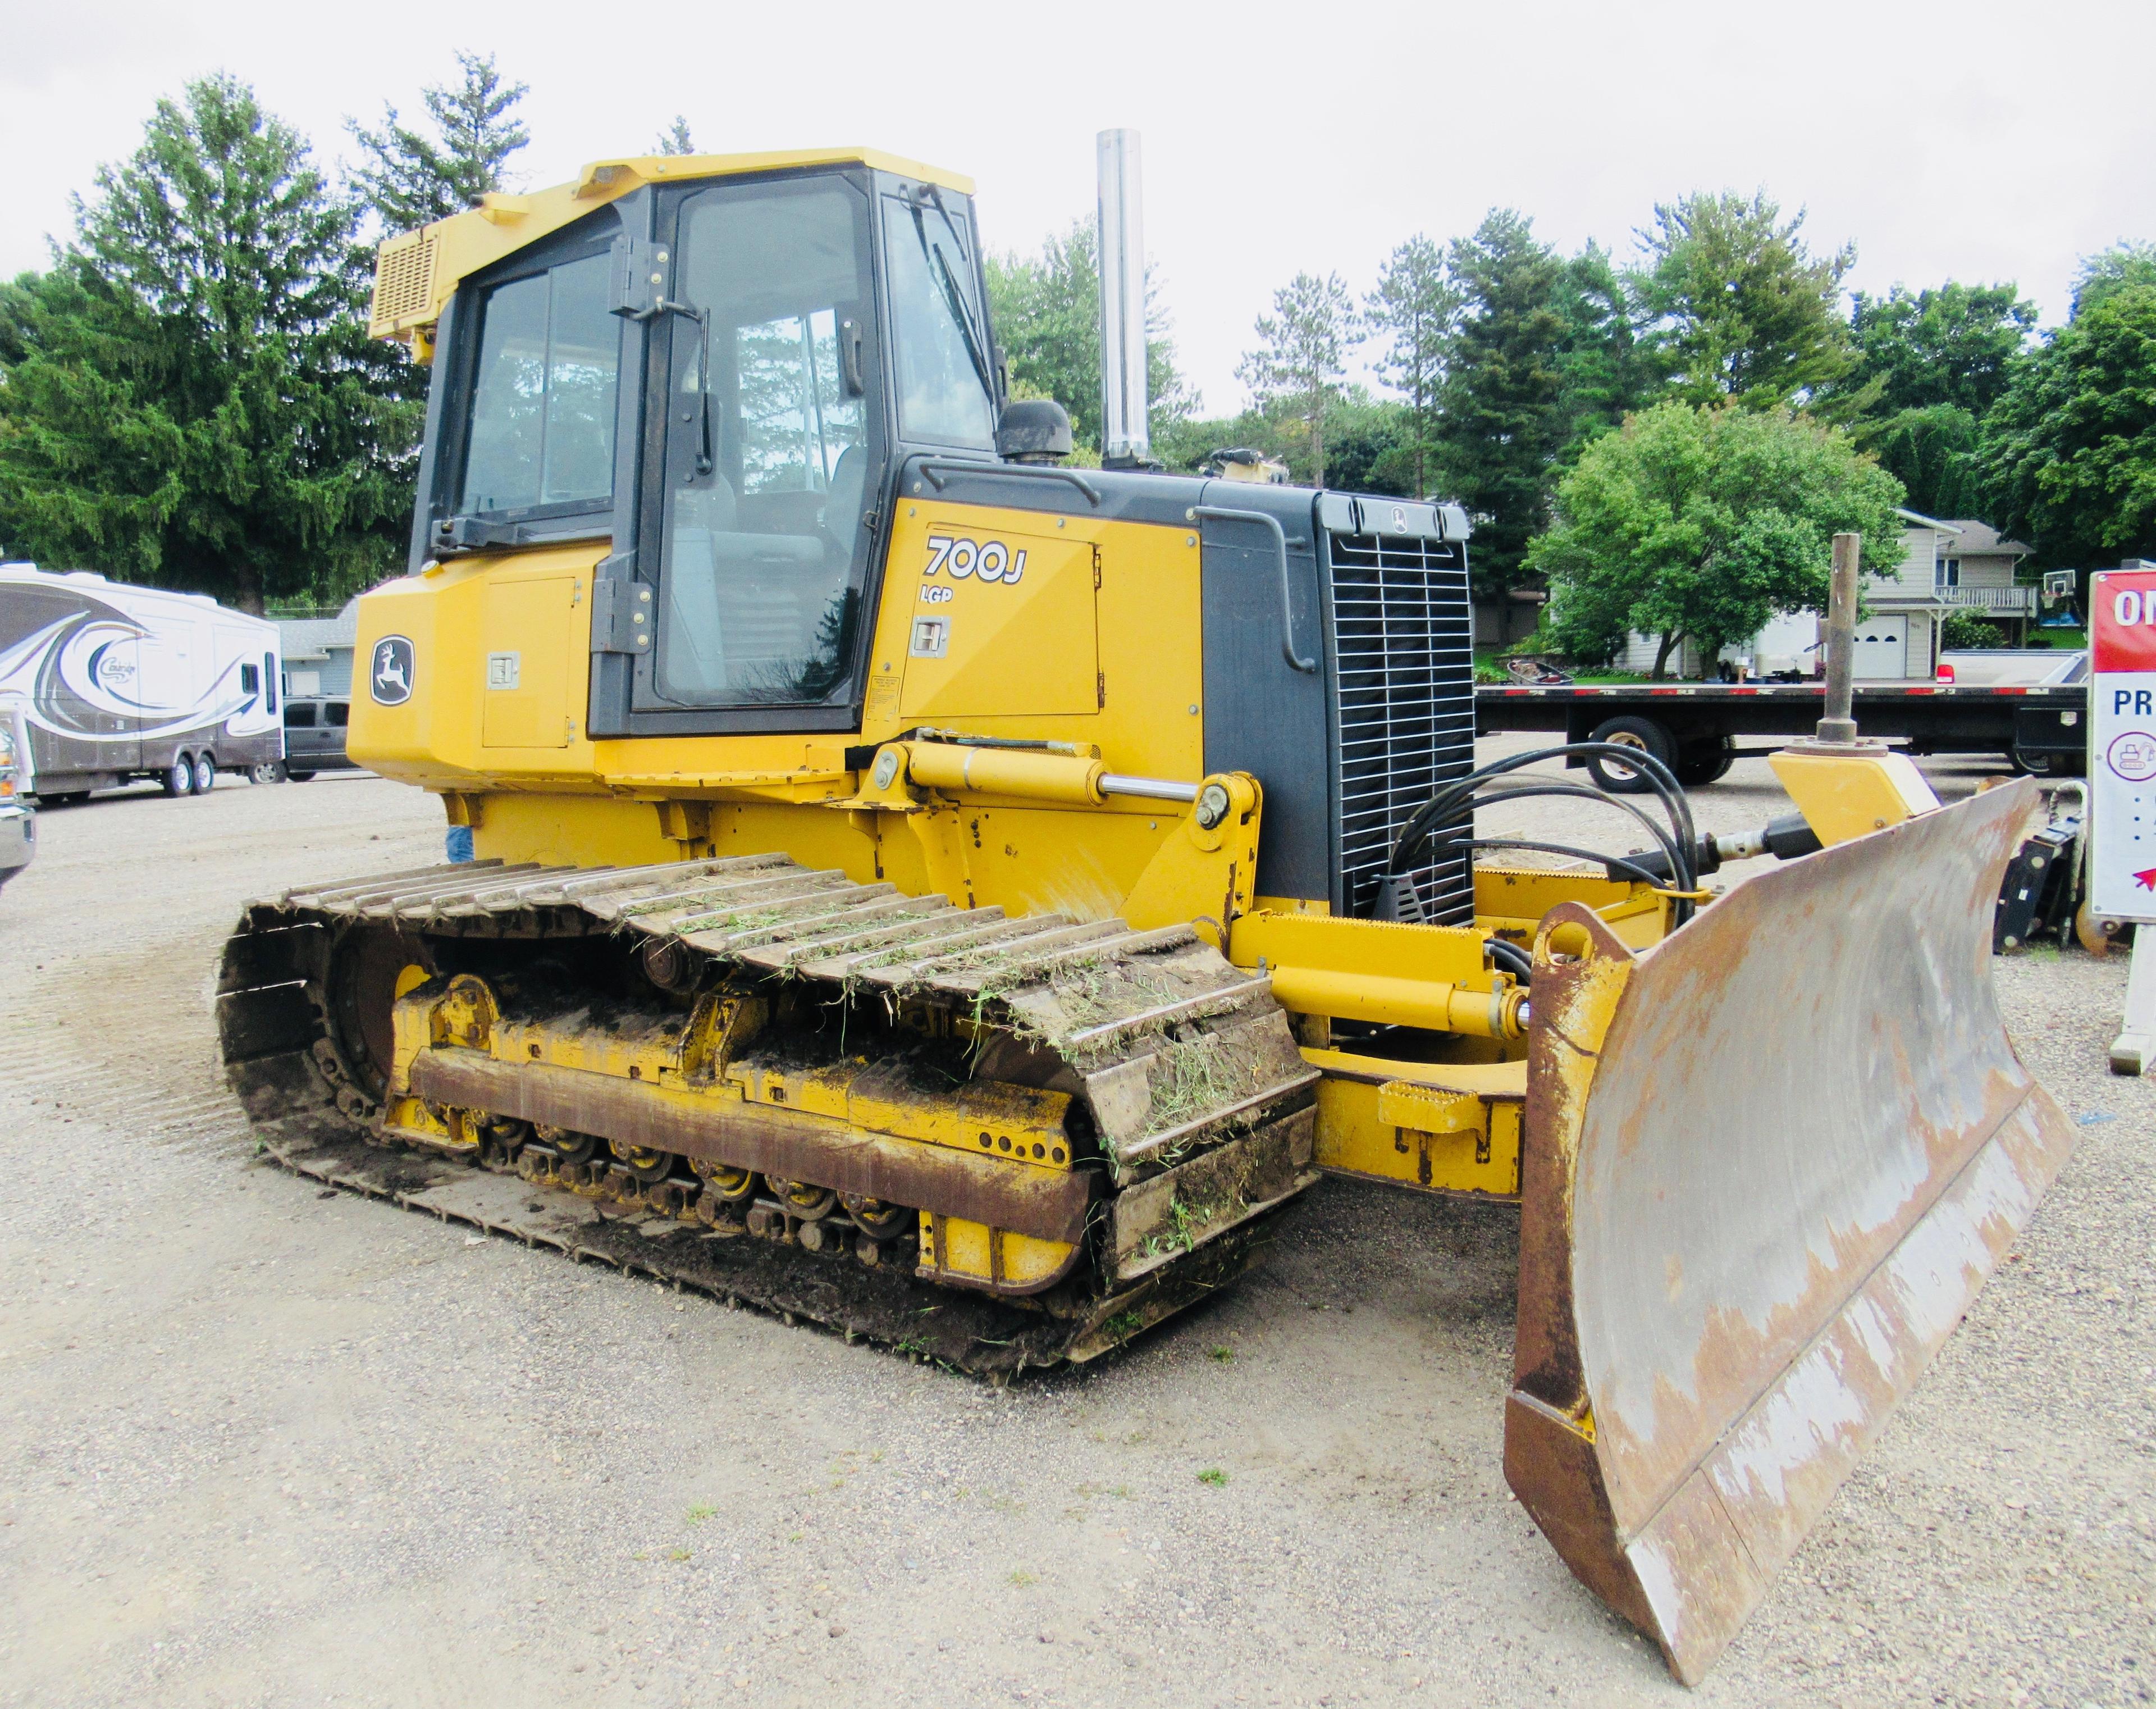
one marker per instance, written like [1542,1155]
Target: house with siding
[318,651]
[1946,566]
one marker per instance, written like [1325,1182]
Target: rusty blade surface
[1771,1162]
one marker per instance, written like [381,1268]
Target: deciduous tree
[2071,448]
[676,139]
[1929,364]
[2103,275]
[1047,314]
[1698,523]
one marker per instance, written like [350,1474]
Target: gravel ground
[261,1444]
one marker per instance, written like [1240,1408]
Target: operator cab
[718,374]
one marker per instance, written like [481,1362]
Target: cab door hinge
[623,613]
[1096,569]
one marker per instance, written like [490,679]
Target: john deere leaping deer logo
[391,676]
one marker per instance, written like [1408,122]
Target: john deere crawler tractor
[960,898]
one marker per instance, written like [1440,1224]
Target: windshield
[543,396]
[943,392]
[767,445]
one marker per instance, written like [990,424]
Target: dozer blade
[1771,1162]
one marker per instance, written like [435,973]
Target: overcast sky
[1971,140]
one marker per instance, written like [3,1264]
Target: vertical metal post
[1126,439]
[2136,1043]
[1838,725]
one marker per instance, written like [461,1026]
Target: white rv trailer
[115,682]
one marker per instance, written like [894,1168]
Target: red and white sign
[2123,743]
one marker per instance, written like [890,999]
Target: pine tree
[189,396]
[1606,376]
[674,139]
[410,179]
[1301,369]
[1505,413]
[1416,310]
[1742,309]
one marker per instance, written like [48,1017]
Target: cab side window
[542,415]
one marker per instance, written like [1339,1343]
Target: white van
[115,682]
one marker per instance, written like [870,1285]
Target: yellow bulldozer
[962,899]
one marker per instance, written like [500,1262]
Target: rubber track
[1111,1000]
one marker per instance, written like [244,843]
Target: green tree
[1739,307]
[1931,364]
[1504,414]
[1699,524]
[1933,452]
[1299,370]
[1599,359]
[1372,445]
[2070,450]
[2103,276]
[1414,310]
[1046,309]
[189,396]
[411,179]
[676,139]
[1953,344]
[1965,631]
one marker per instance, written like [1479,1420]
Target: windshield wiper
[974,337]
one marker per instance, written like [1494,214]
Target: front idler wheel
[368,968]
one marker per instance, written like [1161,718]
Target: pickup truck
[314,728]
[1696,728]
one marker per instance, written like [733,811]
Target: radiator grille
[404,283]
[1404,706]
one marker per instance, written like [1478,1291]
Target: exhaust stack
[1126,441]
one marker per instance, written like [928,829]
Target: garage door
[1882,647]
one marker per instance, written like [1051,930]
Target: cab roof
[416,272]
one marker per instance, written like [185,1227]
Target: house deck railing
[2011,602]
[2020,601]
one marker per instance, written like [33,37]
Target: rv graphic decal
[76,675]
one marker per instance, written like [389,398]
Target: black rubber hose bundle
[1445,823]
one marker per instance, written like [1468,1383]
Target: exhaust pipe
[1126,441]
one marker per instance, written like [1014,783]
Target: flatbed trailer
[1700,728]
